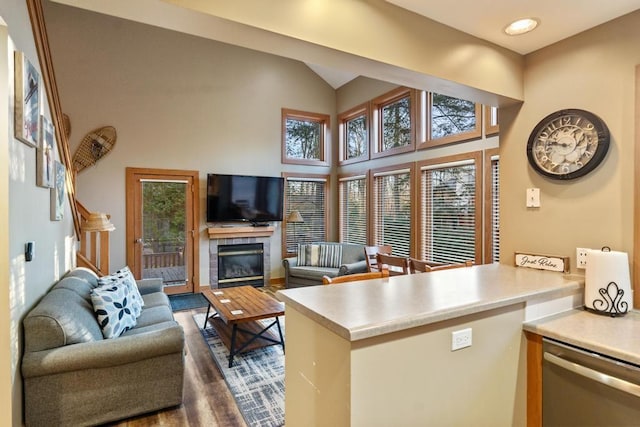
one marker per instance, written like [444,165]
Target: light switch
[533,197]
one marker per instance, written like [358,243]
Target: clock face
[568,144]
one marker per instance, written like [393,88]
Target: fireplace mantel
[235,232]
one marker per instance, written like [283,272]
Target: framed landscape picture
[45,155]
[58,193]
[27,100]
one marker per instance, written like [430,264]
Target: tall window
[393,114]
[304,137]
[353,209]
[354,134]
[308,195]
[392,209]
[492,206]
[450,209]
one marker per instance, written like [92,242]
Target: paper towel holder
[613,301]
[612,306]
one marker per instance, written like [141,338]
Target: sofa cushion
[153,315]
[307,272]
[62,317]
[352,252]
[155,299]
[85,274]
[112,305]
[78,285]
[308,255]
[125,277]
[320,255]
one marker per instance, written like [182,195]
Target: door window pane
[164,231]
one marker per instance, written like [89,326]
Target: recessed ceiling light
[521,26]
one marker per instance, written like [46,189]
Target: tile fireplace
[239,256]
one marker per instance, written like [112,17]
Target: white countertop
[617,337]
[366,309]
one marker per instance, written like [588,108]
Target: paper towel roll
[607,284]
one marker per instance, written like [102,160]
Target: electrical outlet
[461,339]
[581,258]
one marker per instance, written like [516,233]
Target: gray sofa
[73,376]
[353,261]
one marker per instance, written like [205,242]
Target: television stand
[260,224]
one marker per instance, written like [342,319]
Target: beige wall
[593,71]
[177,102]
[372,38]
[24,217]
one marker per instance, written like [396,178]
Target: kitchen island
[380,352]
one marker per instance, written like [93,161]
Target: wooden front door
[162,218]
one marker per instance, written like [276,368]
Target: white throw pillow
[125,276]
[112,306]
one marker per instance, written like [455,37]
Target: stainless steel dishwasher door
[580,388]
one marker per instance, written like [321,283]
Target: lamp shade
[97,221]
[294,216]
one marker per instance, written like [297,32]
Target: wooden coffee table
[236,318]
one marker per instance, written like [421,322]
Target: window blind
[353,210]
[307,196]
[392,211]
[495,209]
[449,213]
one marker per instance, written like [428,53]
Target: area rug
[187,301]
[256,379]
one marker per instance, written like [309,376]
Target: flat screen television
[255,199]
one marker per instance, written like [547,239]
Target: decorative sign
[542,262]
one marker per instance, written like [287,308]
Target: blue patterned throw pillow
[125,276]
[112,306]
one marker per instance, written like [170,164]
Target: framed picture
[27,100]
[58,193]
[45,156]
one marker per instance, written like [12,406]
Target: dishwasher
[582,388]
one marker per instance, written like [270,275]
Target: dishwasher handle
[617,383]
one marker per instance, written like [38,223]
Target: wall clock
[568,144]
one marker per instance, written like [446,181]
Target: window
[393,114]
[353,209]
[450,191]
[491,125]
[492,206]
[354,134]
[445,119]
[304,137]
[308,195]
[392,209]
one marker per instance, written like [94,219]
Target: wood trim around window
[362,109]
[325,137]
[476,157]
[424,129]
[375,127]
[488,204]
[489,128]
[327,207]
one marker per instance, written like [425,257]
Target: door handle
[592,374]
[138,240]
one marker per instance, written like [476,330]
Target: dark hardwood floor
[206,400]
